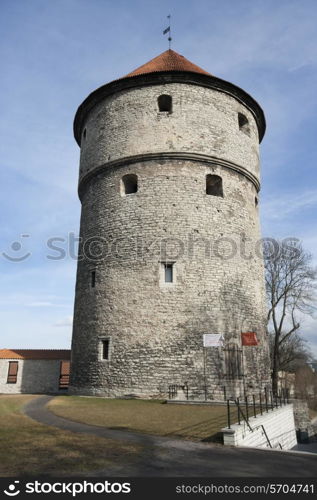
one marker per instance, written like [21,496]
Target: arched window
[244,125]
[84,133]
[214,185]
[129,184]
[165,103]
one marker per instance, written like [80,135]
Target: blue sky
[54,53]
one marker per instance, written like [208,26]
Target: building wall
[303,421]
[155,330]
[34,376]
[279,426]
[203,121]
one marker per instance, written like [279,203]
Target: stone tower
[169,181]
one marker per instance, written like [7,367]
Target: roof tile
[167,61]
[35,354]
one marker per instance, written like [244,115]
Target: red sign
[249,338]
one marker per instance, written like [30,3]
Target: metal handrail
[246,417]
[264,405]
[173,390]
[243,416]
[265,434]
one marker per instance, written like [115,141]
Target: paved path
[163,456]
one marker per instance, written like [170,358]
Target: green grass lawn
[195,422]
[29,448]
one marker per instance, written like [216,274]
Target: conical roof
[167,67]
[167,61]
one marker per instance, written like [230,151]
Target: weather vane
[168,30]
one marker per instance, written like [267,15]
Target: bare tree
[294,353]
[290,285]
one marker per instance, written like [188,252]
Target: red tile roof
[35,354]
[167,61]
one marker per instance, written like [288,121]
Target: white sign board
[213,340]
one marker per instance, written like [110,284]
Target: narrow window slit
[105,349]
[168,273]
[93,279]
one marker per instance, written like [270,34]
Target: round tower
[169,182]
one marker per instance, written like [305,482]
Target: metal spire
[168,30]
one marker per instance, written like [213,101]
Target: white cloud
[40,304]
[68,321]
[285,204]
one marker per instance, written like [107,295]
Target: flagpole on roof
[168,30]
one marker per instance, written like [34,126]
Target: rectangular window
[93,279]
[105,349]
[12,372]
[168,273]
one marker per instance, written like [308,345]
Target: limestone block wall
[279,426]
[34,376]
[156,330]
[203,121]
[302,418]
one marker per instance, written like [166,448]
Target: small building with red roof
[34,371]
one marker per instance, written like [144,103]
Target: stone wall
[155,329]
[34,376]
[302,419]
[203,121]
